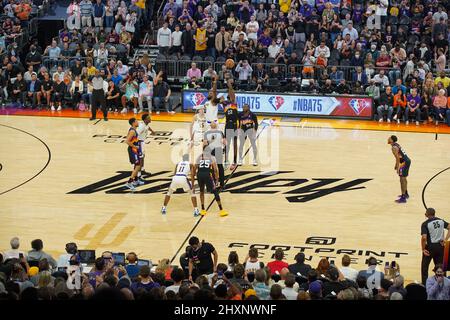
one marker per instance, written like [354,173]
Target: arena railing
[51,63]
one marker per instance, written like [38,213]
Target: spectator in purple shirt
[265,38]
[305,10]
[357,14]
[413,105]
[320,5]
[145,281]
[171,5]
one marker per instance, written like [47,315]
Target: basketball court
[323,188]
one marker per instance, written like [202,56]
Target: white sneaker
[163,210]
[130,186]
[381,120]
[239,163]
[407,122]
[389,120]
[53,108]
[196,212]
[255,163]
[398,121]
[157,112]
[417,123]
[135,110]
[395,117]
[172,112]
[437,122]
[124,110]
[59,108]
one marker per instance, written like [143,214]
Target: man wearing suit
[360,76]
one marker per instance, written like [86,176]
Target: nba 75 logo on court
[242,182]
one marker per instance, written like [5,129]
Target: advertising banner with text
[359,107]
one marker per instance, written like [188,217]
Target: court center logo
[242,182]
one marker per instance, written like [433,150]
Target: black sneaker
[91,119]
[105,119]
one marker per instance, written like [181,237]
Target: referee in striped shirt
[432,231]
[98,96]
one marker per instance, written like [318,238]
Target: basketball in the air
[229,63]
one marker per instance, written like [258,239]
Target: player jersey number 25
[205,163]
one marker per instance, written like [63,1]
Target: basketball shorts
[403,171]
[134,156]
[180,182]
[142,146]
[198,138]
[206,180]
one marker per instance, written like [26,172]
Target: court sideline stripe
[211,203]
[426,185]
[45,166]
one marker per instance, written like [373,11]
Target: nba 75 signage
[245,182]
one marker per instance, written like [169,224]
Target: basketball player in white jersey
[212,105]
[198,127]
[183,172]
[142,131]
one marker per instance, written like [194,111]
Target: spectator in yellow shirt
[90,69]
[442,78]
[285,5]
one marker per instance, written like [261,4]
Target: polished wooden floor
[325,186]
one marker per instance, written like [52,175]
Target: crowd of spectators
[393,51]
[200,275]
[14,18]
[99,38]
[359,47]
